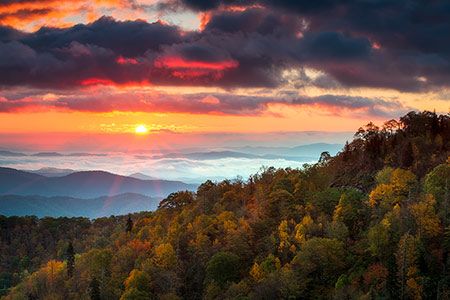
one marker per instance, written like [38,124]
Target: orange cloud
[178,62]
[31,15]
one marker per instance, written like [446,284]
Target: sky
[79,75]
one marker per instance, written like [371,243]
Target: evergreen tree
[129,224]
[94,287]
[70,260]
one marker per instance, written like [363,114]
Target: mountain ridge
[84,184]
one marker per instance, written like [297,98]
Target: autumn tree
[165,256]
[397,191]
[347,210]
[425,216]
[137,286]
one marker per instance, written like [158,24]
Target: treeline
[370,223]
[417,141]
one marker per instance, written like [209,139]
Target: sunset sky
[82,75]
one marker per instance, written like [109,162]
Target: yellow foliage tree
[137,286]
[402,179]
[424,213]
[396,192]
[52,268]
[300,234]
[165,256]
[256,272]
[383,193]
[283,234]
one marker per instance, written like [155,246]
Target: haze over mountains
[52,172]
[86,184]
[309,151]
[192,165]
[40,206]
[64,184]
[90,193]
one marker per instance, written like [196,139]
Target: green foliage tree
[437,183]
[223,267]
[384,175]
[337,230]
[278,204]
[379,241]
[320,259]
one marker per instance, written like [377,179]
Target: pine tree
[129,224]
[70,260]
[94,287]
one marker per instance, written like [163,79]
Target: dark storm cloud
[109,51]
[410,34]
[129,38]
[305,6]
[62,58]
[8,33]
[356,43]
[257,20]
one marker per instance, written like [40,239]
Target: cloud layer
[386,44]
[109,100]
[399,45]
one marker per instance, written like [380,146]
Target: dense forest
[370,223]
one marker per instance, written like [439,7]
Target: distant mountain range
[298,153]
[52,172]
[141,176]
[86,184]
[48,154]
[304,153]
[14,205]
[10,153]
[313,150]
[212,155]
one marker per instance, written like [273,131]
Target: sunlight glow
[141,129]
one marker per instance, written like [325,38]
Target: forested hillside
[369,223]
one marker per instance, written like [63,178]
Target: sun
[141,129]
